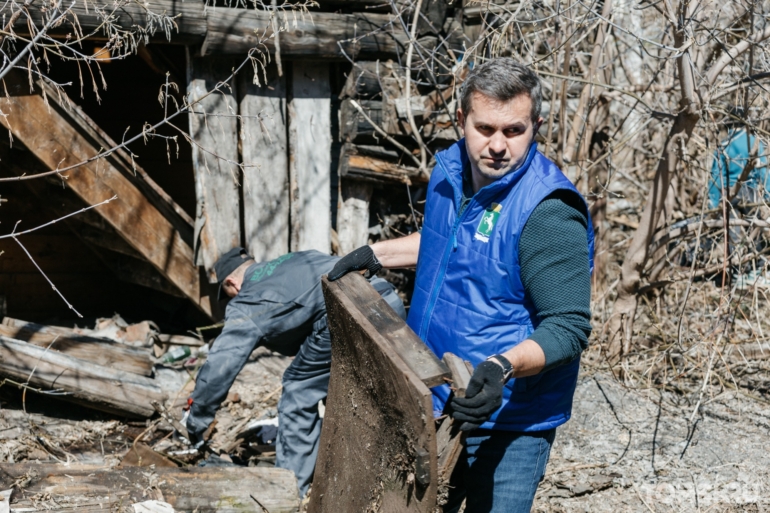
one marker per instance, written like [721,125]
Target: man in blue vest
[503,280]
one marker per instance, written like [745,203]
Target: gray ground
[632,450]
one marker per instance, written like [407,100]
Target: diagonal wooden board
[378,443]
[58,136]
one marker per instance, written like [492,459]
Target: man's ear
[536,127]
[230,281]
[461,121]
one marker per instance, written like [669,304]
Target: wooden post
[263,134]
[353,215]
[310,156]
[214,132]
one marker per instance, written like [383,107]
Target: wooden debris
[92,385]
[378,446]
[201,489]
[141,455]
[95,350]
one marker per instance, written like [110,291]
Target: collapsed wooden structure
[278,160]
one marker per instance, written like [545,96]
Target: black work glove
[483,397]
[356,260]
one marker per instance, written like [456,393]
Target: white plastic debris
[5,501]
[153,507]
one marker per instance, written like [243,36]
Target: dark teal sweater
[553,250]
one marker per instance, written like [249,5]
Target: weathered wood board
[317,34]
[83,382]
[263,134]
[95,350]
[353,215]
[198,489]
[214,129]
[378,442]
[391,329]
[310,140]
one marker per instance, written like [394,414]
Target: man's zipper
[462,210]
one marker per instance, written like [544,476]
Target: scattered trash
[5,501]
[153,507]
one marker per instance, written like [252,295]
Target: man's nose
[497,143]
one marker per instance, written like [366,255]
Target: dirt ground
[643,450]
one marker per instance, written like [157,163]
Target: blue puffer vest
[468,297]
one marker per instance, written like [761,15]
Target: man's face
[497,136]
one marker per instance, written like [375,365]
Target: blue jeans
[499,471]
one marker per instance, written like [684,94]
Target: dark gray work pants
[305,383]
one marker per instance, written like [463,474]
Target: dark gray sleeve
[228,354]
[553,255]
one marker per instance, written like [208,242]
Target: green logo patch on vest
[488,222]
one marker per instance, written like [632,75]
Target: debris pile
[129,388]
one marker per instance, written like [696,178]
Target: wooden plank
[353,215]
[214,131]
[189,19]
[449,439]
[461,374]
[316,34]
[400,337]
[377,450]
[264,148]
[47,131]
[86,383]
[194,489]
[310,142]
[371,169]
[95,350]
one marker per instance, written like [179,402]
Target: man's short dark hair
[502,79]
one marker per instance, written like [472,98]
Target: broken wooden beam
[95,386]
[194,489]
[371,169]
[95,350]
[310,34]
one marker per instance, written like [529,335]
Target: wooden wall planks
[310,156]
[353,215]
[214,128]
[264,149]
